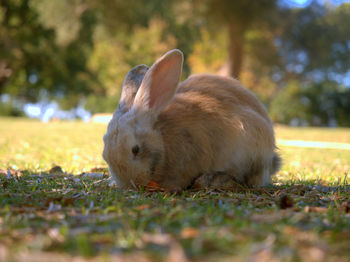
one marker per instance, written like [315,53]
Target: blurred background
[66,59]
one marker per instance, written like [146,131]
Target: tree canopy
[78,51]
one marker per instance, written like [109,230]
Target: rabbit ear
[160,83]
[130,86]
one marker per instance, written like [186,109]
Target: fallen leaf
[153,183]
[5,184]
[189,232]
[142,207]
[345,206]
[159,239]
[153,186]
[309,209]
[99,170]
[197,184]
[286,202]
[10,173]
[55,234]
[53,199]
[61,199]
[56,170]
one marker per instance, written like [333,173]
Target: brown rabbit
[207,129]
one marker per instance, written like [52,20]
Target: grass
[341,135]
[60,214]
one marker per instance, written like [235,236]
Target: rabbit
[207,130]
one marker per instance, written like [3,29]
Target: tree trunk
[235,50]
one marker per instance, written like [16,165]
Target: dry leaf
[99,170]
[56,170]
[189,232]
[142,207]
[61,199]
[286,202]
[153,183]
[5,184]
[345,206]
[309,209]
[153,186]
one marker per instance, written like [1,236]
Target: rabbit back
[214,126]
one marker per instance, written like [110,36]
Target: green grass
[341,135]
[50,215]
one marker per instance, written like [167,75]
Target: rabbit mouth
[140,181]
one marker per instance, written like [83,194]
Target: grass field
[63,214]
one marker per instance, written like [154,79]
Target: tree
[316,53]
[44,61]
[315,42]
[237,17]
[25,46]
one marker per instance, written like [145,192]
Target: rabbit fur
[207,130]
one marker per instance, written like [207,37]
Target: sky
[303,3]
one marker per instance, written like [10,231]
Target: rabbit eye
[135,150]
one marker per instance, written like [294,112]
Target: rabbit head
[133,147]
